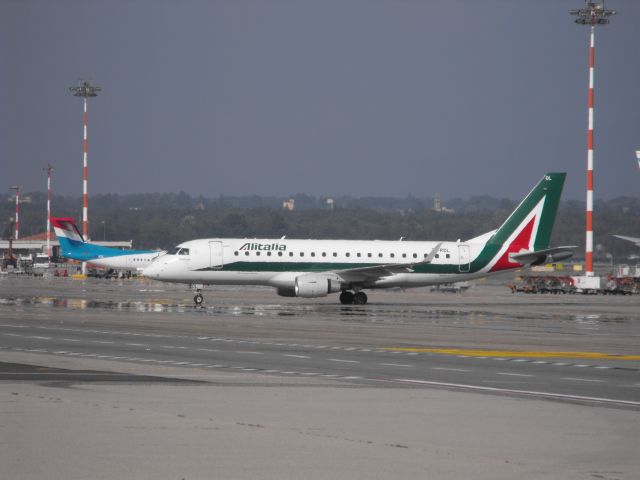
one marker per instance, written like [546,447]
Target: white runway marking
[344,361]
[451,369]
[583,380]
[294,356]
[521,392]
[515,374]
[395,365]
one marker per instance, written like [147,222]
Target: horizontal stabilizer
[548,255]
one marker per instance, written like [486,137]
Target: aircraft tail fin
[529,227]
[72,243]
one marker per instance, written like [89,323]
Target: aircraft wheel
[346,298]
[198,299]
[360,298]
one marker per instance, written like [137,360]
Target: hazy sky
[325,97]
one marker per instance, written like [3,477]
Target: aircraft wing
[635,240]
[361,274]
[539,257]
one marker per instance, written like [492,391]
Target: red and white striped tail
[66,228]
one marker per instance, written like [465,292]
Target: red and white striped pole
[85,90]
[17,235]
[588,256]
[85,173]
[594,14]
[49,169]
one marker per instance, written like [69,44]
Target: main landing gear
[198,299]
[351,298]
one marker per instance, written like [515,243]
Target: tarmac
[126,378]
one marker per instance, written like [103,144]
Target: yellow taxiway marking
[515,353]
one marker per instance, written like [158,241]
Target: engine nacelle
[286,291]
[314,285]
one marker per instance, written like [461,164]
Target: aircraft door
[464,258]
[216,257]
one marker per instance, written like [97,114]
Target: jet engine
[286,291]
[316,285]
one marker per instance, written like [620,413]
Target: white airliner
[73,245]
[635,240]
[316,268]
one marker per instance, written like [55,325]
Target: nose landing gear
[198,299]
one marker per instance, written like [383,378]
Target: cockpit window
[173,251]
[183,251]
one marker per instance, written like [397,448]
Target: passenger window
[437,255]
[268,254]
[369,255]
[291,254]
[324,254]
[380,255]
[358,255]
[448,256]
[235,253]
[348,254]
[404,255]
[415,255]
[258,254]
[279,254]
[335,254]
[393,255]
[302,254]
[313,254]
[246,253]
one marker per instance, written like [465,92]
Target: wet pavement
[569,348]
[127,378]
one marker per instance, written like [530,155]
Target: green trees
[164,220]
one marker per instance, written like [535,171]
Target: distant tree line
[164,220]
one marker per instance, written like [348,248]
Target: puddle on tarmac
[374,313]
[377,313]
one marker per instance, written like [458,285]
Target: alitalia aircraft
[317,268]
[72,245]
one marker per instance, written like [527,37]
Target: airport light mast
[594,14]
[17,189]
[85,90]
[49,169]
